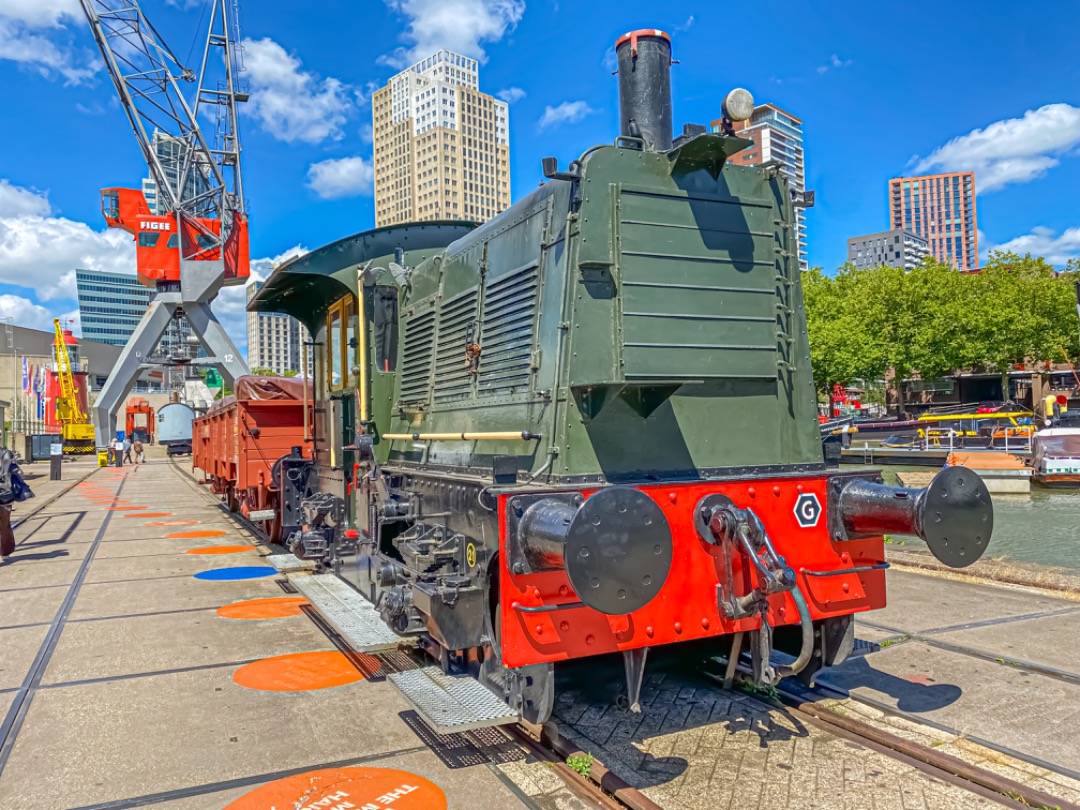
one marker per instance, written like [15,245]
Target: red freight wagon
[242,437]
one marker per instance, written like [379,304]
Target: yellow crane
[75,426]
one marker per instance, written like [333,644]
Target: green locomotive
[589,426]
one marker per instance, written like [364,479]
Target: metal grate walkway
[450,703]
[349,613]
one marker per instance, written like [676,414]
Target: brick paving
[697,746]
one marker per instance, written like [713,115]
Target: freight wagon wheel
[231,501]
[273,527]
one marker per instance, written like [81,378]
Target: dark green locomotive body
[589,425]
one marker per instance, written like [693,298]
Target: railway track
[602,788]
[937,764]
[39,506]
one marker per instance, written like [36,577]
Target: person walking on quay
[12,488]
[137,449]
[127,450]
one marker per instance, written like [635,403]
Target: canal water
[1042,528]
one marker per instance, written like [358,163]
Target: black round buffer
[953,514]
[616,547]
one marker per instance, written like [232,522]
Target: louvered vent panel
[457,319]
[507,334]
[416,356]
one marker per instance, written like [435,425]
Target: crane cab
[160,241]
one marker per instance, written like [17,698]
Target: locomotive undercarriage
[426,555]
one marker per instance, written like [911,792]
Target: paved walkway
[119,680]
[127,679]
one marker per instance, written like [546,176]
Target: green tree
[933,320]
[260,371]
[1023,312]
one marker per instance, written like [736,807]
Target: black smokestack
[645,87]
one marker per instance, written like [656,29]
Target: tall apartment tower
[941,209]
[274,339]
[442,148]
[777,135]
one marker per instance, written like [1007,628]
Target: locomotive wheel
[536,684]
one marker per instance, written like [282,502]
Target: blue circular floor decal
[236,572]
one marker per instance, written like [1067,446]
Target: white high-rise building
[274,339]
[441,147]
[777,135]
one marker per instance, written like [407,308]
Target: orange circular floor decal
[272,607]
[168,522]
[218,549]
[149,514]
[298,672]
[362,788]
[126,508]
[193,535]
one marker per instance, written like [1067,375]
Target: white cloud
[686,25]
[341,177]
[457,25]
[1015,150]
[569,112]
[366,133]
[41,252]
[22,43]
[835,62]
[292,104]
[1045,242]
[230,306]
[32,34]
[73,321]
[20,202]
[40,13]
[610,60]
[363,94]
[511,94]
[24,312]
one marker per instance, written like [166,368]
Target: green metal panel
[645,320]
[696,277]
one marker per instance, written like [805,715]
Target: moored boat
[1055,457]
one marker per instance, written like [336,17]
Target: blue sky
[882,89]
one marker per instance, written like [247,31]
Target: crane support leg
[221,351]
[133,359]
[122,378]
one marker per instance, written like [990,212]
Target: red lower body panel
[686,607]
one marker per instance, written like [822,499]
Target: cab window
[174,240]
[349,344]
[148,239]
[333,348]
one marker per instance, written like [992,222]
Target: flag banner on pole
[25,373]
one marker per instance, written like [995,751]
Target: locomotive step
[450,703]
[289,562]
[349,613]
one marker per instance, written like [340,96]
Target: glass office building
[111,305]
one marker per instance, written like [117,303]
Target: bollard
[56,459]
